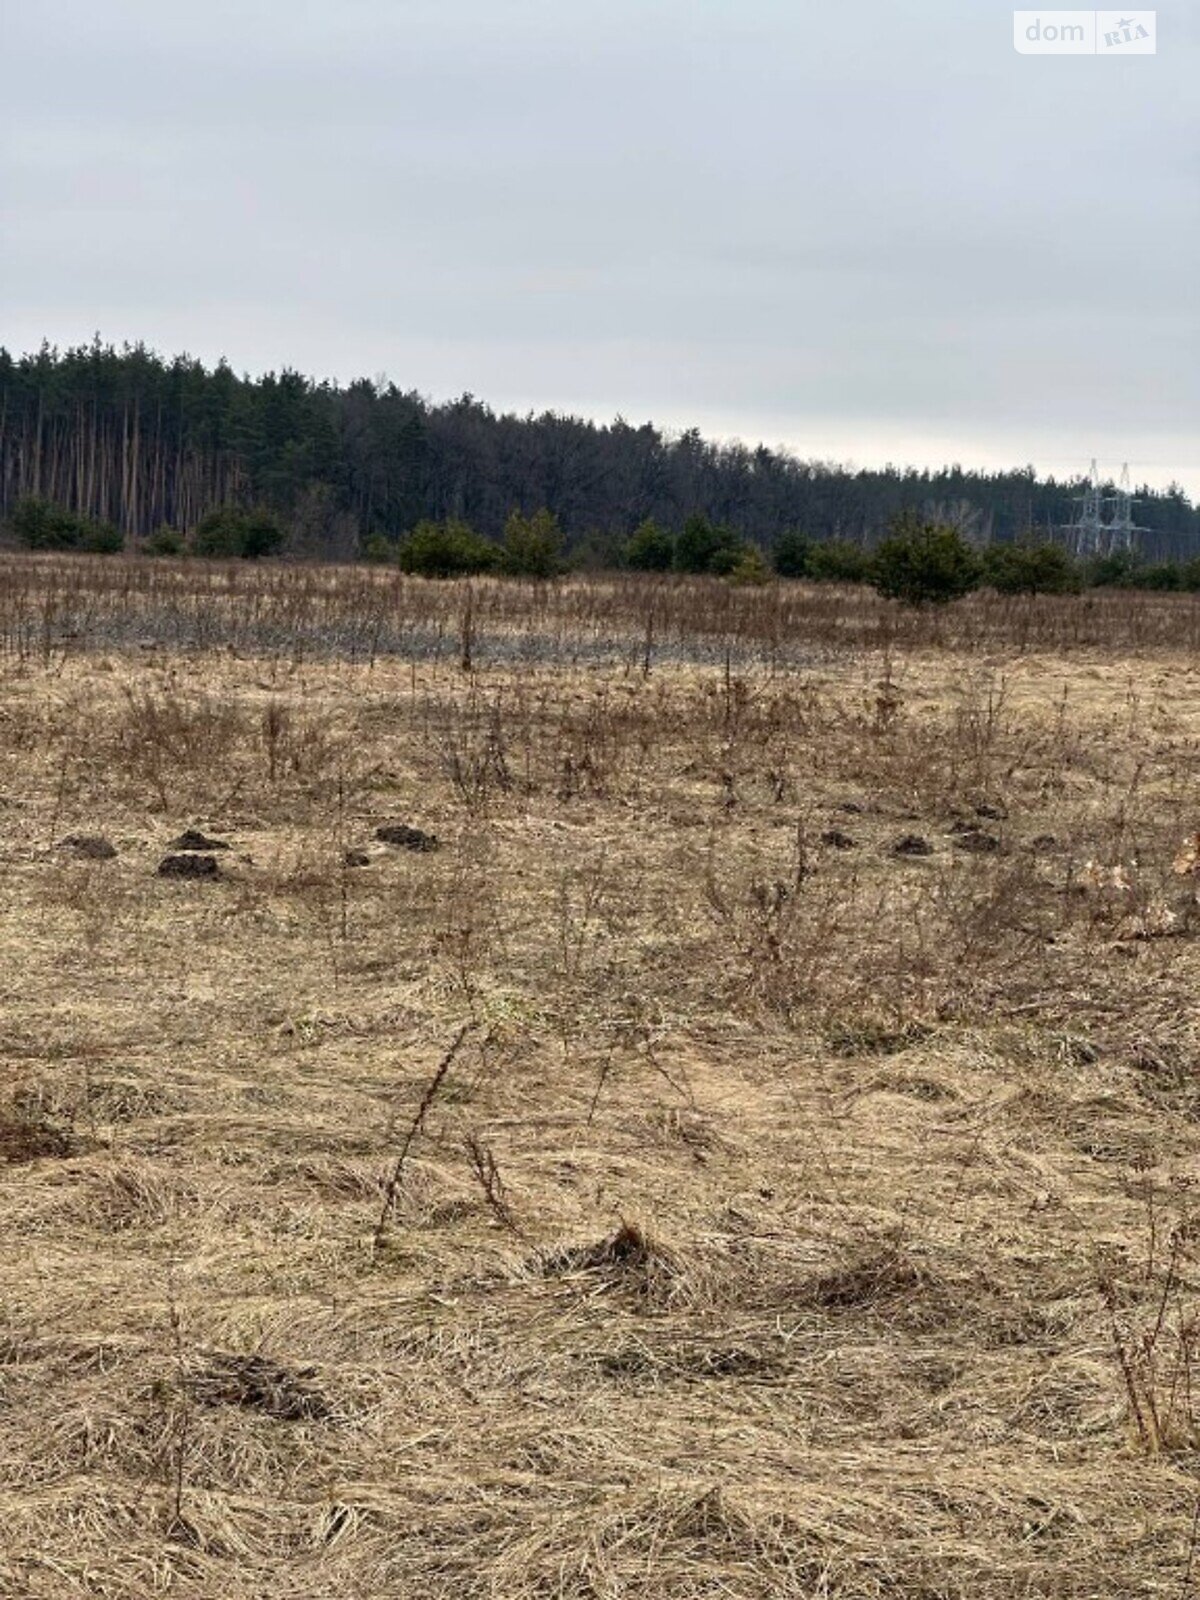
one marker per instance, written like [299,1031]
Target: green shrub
[164,541]
[102,539]
[262,536]
[231,532]
[1022,568]
[1124,570]
[446,550]
[532,545]
[41,525]
[838,561]
[750,568]
[1167,575]
[219,534]
[598,550]
[651,549]
[923,563]
[726,560]
[1117,571]
[703,546]
[378,548]
[792,554]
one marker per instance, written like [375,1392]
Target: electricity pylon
[1099,530]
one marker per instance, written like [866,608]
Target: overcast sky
[868,231]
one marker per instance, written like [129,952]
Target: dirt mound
[192,839]
[25,1139]
[406,838]
[912,844]
[188,866]
[976,841]
[89,847]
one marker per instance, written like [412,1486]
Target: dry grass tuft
[257,1383]
[880,1277]
[627,1262]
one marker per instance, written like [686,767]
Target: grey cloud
[861,228]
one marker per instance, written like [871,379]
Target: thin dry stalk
[392,1187]
[487,1174]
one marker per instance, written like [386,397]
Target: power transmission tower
[1121,527]
[1105,524]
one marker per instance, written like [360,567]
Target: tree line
[153,446]
[917,562]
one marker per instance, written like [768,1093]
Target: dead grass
[660,1189]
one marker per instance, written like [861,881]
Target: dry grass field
[755,1154]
